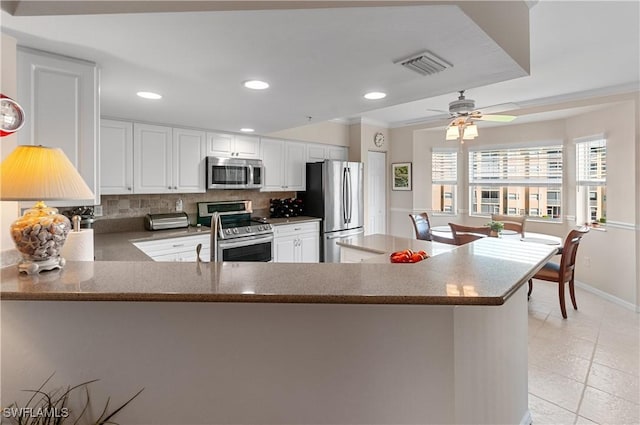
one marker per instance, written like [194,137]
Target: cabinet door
[284,249]
[315,153]
[309,247]
[152,155]
[116,157]
[188,161]
[60,99]
[338,153]
[295,166]
[247,146]
[220,144]
[272,152]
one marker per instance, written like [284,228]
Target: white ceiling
[320,61]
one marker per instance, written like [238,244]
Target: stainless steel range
[234,235]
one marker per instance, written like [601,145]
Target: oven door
[251,248]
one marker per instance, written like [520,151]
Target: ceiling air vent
[425,63]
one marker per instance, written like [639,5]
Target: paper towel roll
[78,246]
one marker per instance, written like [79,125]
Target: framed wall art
[401,174]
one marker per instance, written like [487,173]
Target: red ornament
[11,116]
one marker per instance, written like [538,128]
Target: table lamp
[40,173]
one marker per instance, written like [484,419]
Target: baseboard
[526,419]
[608,297]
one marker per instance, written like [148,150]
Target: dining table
[529,237]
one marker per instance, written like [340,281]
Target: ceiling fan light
[452,133]
[470,132]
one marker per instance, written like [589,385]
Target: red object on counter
[408,256]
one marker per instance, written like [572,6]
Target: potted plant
[496,228]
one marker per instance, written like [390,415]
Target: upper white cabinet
[317,152]
[188,161]
[61,103]
[284,165]
[167,160]
[233,145]
[116,156]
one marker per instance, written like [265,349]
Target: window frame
[591,177]
[524,167]
[444,177]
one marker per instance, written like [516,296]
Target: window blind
[534,166]
[591,162]
[444,167]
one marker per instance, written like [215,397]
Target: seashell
[43,236]
[46,222]
[52,251]
[36,228]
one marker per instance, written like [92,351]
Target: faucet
[215,225]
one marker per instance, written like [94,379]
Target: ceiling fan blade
[496,118]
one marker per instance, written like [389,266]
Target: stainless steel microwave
[234,173]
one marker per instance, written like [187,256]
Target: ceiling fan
[463,115]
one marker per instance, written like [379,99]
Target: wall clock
[378,139]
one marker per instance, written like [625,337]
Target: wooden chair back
[421,226]
[465,234]
[569,251]
[511,222]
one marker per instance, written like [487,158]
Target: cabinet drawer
[296,228]
[183,244]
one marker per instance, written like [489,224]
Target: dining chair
[421,226]
[563,272]
[511,222]
[465,234]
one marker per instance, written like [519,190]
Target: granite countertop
[290,220]
[118,246]
[485,272]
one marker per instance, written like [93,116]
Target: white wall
[8,86]
[603,253]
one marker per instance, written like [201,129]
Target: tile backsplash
[126,206]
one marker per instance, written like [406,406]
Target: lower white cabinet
[297,243]
[182,248]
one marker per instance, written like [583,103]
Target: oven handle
[224,244]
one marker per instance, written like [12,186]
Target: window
[591,180]
[444,178]
[517,181]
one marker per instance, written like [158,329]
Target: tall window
[520,181]
[591,180]
[444,178]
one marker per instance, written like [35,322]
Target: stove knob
[228,231]
[248,229]
[235,230]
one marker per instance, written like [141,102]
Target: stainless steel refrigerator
[335,194]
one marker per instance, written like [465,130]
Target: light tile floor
[585,369]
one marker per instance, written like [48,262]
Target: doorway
[377,191]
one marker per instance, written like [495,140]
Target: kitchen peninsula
[440,341]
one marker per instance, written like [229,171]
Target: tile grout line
[586,379]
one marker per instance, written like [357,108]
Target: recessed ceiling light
[149,95]
[256,84]
[375,95]
[247,130]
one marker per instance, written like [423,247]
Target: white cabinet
[317,152]
[188,161]
[167,160]
[116,157]
[182,248]
[232,145]
[284,165]
[61,102]
[297,243]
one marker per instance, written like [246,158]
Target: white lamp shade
[452,132]
[470,132]
[40,173]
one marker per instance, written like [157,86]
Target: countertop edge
[260,299]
